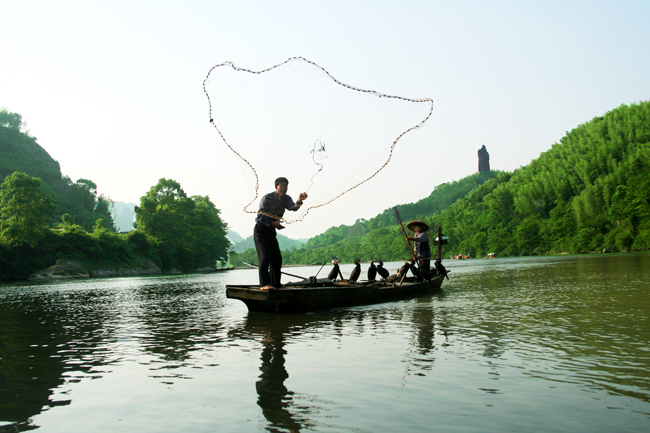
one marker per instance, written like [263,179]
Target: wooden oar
[401,224]
[285,273]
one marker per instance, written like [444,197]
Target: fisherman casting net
[295,119]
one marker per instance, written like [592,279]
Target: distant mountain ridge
[284,242]
[124,216]
[234,237]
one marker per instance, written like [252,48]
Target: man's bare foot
[267,288]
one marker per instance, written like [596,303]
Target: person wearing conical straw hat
[422,248]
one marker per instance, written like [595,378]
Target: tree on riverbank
[190,232]
[24,210]
[174,231]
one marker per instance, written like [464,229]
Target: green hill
[589,192]
[284,242]
[19,152]
[378,237]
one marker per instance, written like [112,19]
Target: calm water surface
[554,344]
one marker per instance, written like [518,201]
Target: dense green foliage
[175,232]
[189,230]
[24,209]
[589,192]
[45,217]
[96,250]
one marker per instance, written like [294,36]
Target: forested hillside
[590,192]
[284,242]
[19,152]
[378,237]
[45,218]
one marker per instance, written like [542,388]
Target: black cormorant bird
[383,272]
[372,271]
[403,270]
[415,270]
[356,272]
[441,269]
[335,273]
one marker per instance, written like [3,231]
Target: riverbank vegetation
[588,193]
[44,217]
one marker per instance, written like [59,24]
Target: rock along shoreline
[71,269]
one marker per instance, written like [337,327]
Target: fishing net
[297,120]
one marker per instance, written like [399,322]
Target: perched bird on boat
[372,271]
[441,269]
[335,273]
[414,269]
[383,272]
[356,272]
[403,270]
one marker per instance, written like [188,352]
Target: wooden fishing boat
[309,295]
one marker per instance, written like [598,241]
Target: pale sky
[113,90]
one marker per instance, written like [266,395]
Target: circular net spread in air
[296,120]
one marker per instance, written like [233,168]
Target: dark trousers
[269,255]
[425,265]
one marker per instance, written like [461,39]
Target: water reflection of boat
[310,295]
[280,336]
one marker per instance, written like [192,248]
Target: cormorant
[383,272]
[372,271]
[336,271]
[415,269]
[403,270]
[441,269]
[356,272]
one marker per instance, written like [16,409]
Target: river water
[554,344]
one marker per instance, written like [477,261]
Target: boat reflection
[283,409]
